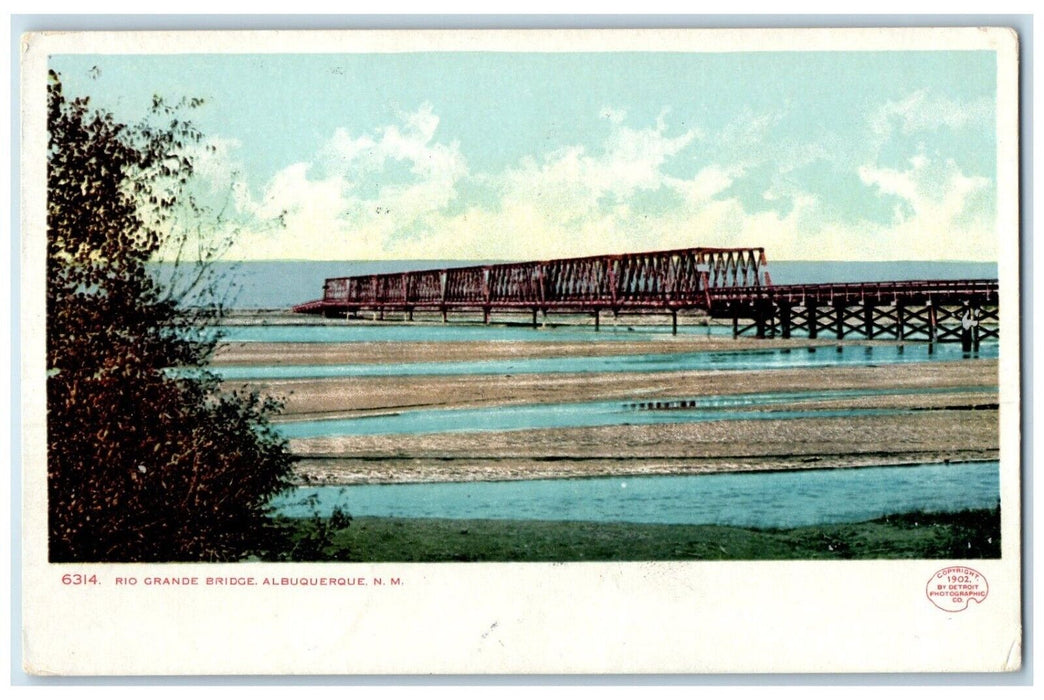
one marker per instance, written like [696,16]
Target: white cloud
[944,205]
[575,201]
[214,162]
[396,192]
[749,133]
[359,193]
[922,111]
[708,182]
[412,143]
[935,189]
[216,206]
[630,160]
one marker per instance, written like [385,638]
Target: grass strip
[972,534]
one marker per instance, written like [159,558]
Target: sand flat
[957,420]
[346,397]
[681,448]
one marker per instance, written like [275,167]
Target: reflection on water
[758,499]
[768,359]
[437,332]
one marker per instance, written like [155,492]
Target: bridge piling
[784,320]
[759,320]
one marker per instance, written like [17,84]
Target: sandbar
[950,413]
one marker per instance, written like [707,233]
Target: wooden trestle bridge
[724,283]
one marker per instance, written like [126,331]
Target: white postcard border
[675,617]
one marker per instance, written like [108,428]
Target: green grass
[971,534]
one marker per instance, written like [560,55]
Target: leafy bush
[146,461]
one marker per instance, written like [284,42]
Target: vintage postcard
[471,352]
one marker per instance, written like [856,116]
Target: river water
[760,499]
[602,413]
[753,499]
[457,330]
[749,360]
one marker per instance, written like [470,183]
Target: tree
[148,458]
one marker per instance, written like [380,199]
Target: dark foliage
[311,538]
[148,460]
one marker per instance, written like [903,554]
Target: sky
[876,155]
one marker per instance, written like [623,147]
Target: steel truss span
[659,281]
[726,283]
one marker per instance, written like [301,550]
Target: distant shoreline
[280,284]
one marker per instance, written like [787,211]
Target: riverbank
[970,534]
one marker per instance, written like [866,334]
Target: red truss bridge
[724,283]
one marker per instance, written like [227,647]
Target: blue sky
[813,155]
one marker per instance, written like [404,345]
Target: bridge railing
[863,292]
